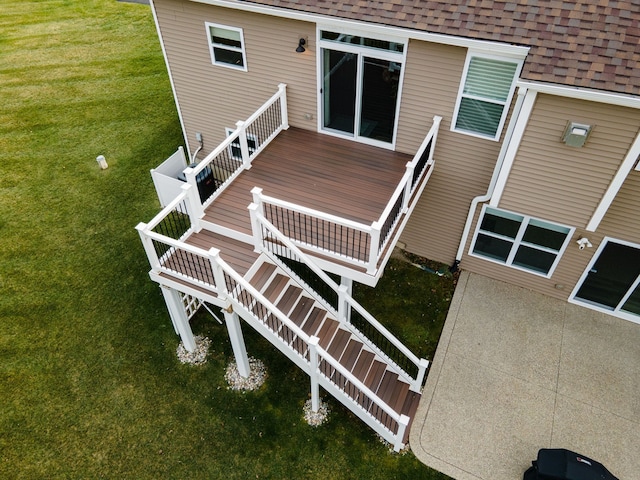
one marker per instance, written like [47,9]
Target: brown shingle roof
[585,43]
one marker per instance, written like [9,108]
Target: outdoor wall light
[576,134]
[301,43]
[583,242]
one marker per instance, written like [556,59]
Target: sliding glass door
[612,282]
[360,87]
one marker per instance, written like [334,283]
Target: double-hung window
[484,95]
[226,45]
[520,241]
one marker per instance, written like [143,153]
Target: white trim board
[582,94]
[615,185]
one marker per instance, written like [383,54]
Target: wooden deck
[333,175]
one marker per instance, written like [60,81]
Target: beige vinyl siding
[565,184]
[213,97]
[464,164]
[622,220]
[556,183]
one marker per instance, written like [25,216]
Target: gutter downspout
[522,92]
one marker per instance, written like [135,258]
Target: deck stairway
[343,345]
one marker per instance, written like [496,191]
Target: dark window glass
[544,237]
[507,227]
[534,259]
[228,56]
[492,247]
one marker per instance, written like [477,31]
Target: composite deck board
[238,255]
[263,275]
[362,366]
[314,321]
[333,175]
[301,310]
[275,287]
[350,355]
[327,332]
[289,298]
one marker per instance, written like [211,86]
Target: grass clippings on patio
[90,385]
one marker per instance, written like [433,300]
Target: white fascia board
[583,94]
[496,48]
[615,185]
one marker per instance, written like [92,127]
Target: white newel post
[403,423]
[256,228]
[179,316]
[244,145]
[436,128]
[372,264]
[190,176]
[313,373]
[282,89]
[194,207]
[237,341]
[147,243]
[407,188]
[422,369]
[218,274]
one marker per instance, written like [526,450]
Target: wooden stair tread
[327,331]
[336,347]
[372,380]
[314,320]
[351,353]
[289,299]
[275,287]
[363,365]
[301,310]
[263,274]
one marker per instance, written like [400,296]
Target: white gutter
[516,122]
[173,87]
[616,183]
[496,48]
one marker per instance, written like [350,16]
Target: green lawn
[90,385]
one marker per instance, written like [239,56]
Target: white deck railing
[344,240]
[237,151]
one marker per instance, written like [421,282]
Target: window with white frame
[520,241]
[484,96]
[226,45]
[252,144]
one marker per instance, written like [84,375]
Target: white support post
[148,247]
[244,145]
[237,341]
[282,89]
[422,369]
[372,264]
[194,207]
[313,373]
[179,317]
[403,423]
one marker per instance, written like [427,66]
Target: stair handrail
[257,216]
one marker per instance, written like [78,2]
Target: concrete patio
[516,371]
